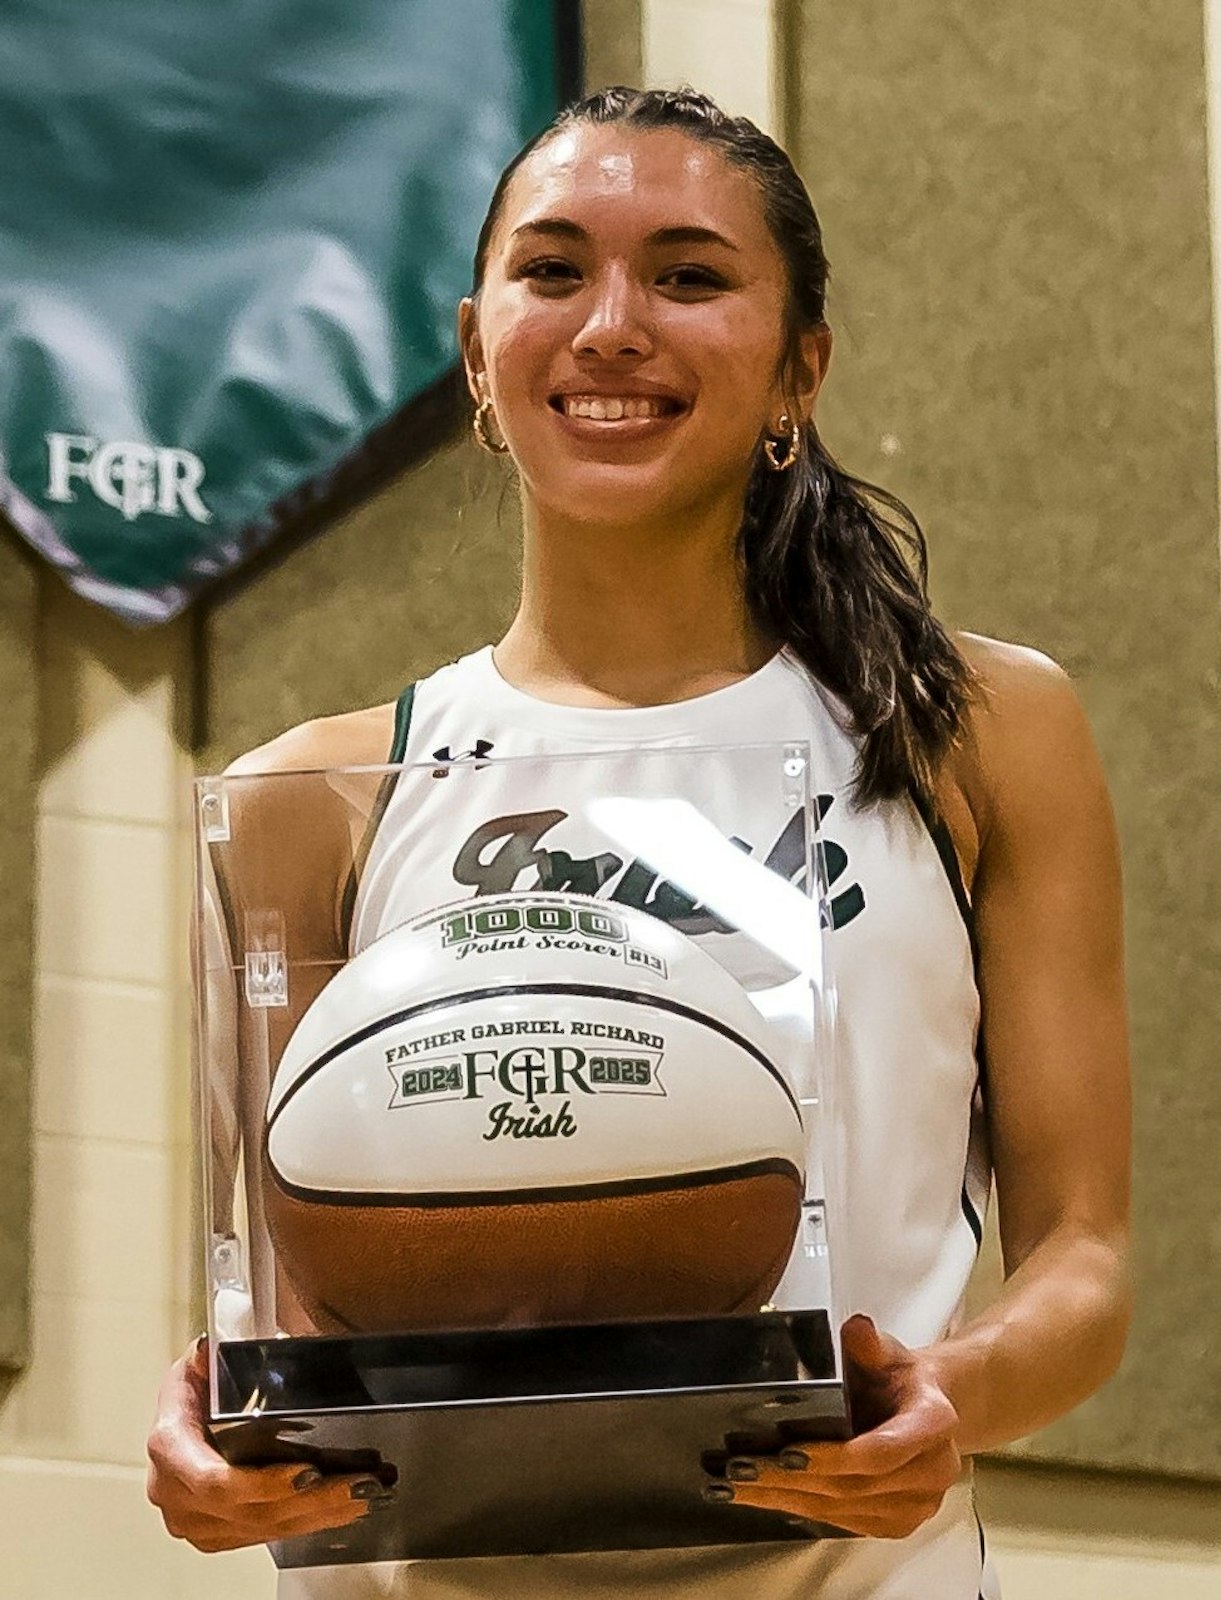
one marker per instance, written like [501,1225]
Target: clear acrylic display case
[517,1095]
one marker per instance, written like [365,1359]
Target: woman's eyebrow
[562,228]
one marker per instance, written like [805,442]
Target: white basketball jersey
[907,1071]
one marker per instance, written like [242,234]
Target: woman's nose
[617,323]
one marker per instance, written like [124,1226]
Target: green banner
[232,243]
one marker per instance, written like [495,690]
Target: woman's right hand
[216,1506]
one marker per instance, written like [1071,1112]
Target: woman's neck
[630,616]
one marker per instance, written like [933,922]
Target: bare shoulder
[1026,700]
[1030,743]
[292,840]
[299,799]
[351,739]
[1014,674]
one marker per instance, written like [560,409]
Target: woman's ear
[815,358]
[802,375]
[469,345]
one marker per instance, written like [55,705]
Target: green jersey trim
[943,843]
[398,748]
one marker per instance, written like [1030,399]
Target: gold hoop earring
[484,434]
[792,441]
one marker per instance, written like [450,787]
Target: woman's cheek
[521,344]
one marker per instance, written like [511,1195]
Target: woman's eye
[550,270]
[694,278]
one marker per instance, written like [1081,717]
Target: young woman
[647,341]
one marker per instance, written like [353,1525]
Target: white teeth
[610,408]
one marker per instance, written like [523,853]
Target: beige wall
[1073,1535]
[18,736]
[728,50]
[113,1248]
[1016,208]
[424,570]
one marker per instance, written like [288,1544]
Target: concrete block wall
[112,1290]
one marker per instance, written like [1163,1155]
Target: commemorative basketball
[530,1109]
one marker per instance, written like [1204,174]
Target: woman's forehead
[615,176]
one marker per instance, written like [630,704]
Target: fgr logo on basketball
[528,1072]
[132,477]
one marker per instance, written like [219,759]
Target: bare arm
[1048,913]
[289,850]
[1049,919]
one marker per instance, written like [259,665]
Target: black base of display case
[536,1441]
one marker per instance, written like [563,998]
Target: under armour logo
[482,749]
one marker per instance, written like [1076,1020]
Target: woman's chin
[614,494]
[608,498]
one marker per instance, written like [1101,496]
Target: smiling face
[631,326]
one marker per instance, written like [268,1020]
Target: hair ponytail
[836,568]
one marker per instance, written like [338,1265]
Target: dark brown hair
[834,567]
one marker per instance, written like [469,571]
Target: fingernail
[718,1492]
[741,1470]
[371,1489]
[307,1479]
[794,1460]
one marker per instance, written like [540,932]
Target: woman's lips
[578,414]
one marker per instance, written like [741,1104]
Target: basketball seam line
[613,1188]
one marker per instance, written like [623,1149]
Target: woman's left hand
[885,1482]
